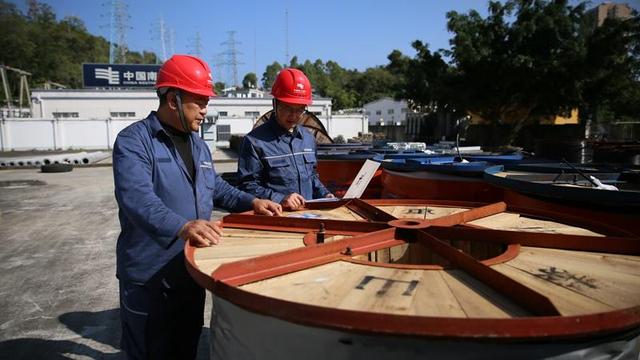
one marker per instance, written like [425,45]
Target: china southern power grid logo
[108,74]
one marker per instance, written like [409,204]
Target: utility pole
[286,36]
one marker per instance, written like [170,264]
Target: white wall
[347,125]
[93,104]
[94,128]
[238,125]
[53,134]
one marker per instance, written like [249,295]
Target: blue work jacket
[275,163]
[156,197]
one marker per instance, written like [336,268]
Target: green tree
[423,80]
[269,75]
[513,72]
[219,86]
[134,57]
[374,83]
[612,86]
[250,81]
[51,50]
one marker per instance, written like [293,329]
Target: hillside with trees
[51,49]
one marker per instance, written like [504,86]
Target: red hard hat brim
[294,100]
[210,93]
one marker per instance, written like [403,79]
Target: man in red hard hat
[166,187]
[278,158]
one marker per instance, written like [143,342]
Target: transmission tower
[118,26]
[196,45]
[218,68]
[161,34]
[231,55]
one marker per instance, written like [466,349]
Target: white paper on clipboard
[359,183]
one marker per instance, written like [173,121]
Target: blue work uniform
[156,197]
[275,163]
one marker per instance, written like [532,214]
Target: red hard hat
[292,86]
[187,73]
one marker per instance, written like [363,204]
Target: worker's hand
[330,196]
[266,207]
[293,201]
[201,233]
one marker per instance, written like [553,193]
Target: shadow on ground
[102,328]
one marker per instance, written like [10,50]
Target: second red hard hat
[188,73]
[292,86]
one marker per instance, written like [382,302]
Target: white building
[91,118]
[387,111]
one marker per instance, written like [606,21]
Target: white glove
[602,186]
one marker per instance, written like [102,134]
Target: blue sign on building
[119,75]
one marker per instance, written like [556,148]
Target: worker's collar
[171,131]
[280,131]
[159,127]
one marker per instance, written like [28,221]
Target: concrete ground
[58,290]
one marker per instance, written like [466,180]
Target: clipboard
[359,183]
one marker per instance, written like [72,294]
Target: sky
[357,34]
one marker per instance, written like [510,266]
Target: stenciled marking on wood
[387,285]
[565,278]
[419,211]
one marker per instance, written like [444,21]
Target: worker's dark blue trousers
[159,322]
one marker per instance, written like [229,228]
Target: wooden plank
[599,280]
[341,213]
[208,266]
[627,264]
[252,234]
[383,290]
[517,222]
[419,211]
[477,300]
[322,285]
[239,244]
[567,301]
[358,287]
[433,297]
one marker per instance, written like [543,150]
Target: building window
[222,113]
[252,113]
[378,112]
[390,111]
[317,113]
[122,114]
[65,115]
[403,110]
[223,132]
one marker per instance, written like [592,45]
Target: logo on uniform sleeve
[206,164]
[307,150]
